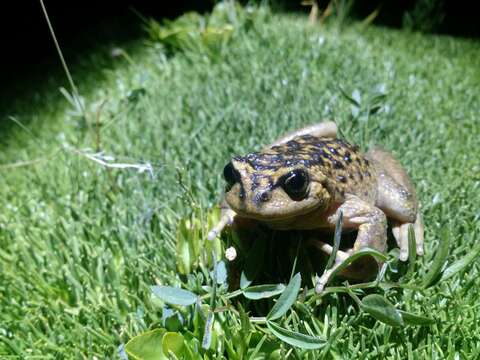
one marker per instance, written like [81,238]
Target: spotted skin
[335,177]
[345,169]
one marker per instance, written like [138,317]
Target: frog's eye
[231,175]
[295,184]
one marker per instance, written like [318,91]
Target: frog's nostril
[264,196]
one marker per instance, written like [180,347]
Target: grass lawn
[81,244]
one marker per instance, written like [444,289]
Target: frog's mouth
[308,218]
[276,211]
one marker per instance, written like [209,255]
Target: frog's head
[274,185]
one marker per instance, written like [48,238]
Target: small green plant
[208,34]
[205,317]
[337,12]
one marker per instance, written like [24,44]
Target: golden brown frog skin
[305,179]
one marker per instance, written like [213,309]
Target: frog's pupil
[296,184]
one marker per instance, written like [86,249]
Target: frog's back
[345,168]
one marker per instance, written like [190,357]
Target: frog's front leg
[227,216]
[371,224]
[401,207]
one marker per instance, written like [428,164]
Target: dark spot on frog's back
[307,137]
[309,163]
[347,157]
[332,150]
[252,157]
[338,164]
[319,144]
[262,166]
[292,162]
[275,157]
[293,145]
[239,159]
[317,158]
[325,155]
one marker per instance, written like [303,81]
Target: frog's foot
[326,129]
[225,219]
[400,233]
[371,223]
[369,220]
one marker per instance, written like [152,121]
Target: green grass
[80,244]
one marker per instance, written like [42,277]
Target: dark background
[27,48]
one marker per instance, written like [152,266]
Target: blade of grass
[461,264]
[336,241]
[412,252]
[439,261]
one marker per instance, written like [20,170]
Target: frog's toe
[418,229]
[400,232]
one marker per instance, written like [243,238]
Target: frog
[308,178]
